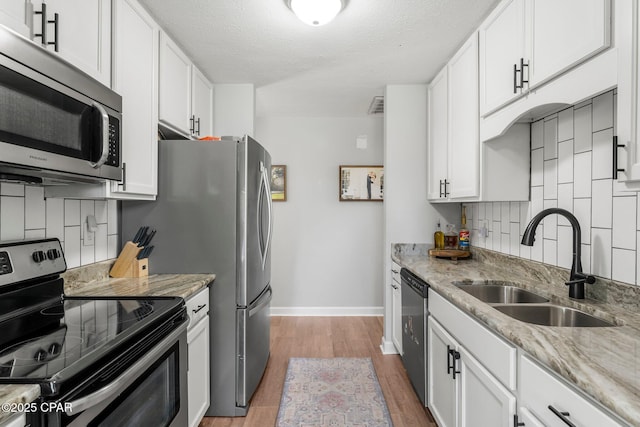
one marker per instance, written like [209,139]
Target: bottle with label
[451,237]
[463,235]
[438,237]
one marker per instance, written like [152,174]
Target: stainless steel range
[98,361]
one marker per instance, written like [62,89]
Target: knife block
[127,265]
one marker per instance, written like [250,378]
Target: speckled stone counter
[94,280]
[602,362]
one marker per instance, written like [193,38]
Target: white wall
[25,214]
[233,109]
[409,218]
[327,255]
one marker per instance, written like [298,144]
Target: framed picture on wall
[279,183]
[361,183]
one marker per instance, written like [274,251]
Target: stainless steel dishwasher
[415,309]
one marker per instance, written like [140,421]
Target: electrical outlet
[88,229]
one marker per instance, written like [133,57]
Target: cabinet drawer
[198,306]
[395,271]
[540,389]
[498,356]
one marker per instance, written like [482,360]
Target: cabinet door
[16,14]
[483,401]
[136,79]
[502,44]
[437,135]
[198,371]
[526,417]
[565,33]
[175,86]
[442,387]
[84,34]
[464,144]
[201,104]
[396,316]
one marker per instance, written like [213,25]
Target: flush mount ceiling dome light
[316,12]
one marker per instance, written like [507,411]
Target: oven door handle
[104,116]
[123,381]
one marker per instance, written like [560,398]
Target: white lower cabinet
[553,402]
[462,392]
[198,367]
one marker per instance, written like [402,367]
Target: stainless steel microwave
[57,124]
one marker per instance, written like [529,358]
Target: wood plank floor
[329,337]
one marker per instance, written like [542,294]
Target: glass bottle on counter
[463,240]
[438,237]
[451,237]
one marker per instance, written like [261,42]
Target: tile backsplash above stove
[26,214]
[571,168]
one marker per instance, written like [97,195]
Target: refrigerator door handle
[265,182]
[262,301]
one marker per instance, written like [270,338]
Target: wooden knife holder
[127,265]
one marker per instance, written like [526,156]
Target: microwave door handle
[105,135]
[118,385]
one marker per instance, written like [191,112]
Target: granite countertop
[94,280]
[602,362]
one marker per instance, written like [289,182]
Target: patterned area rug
[336,392]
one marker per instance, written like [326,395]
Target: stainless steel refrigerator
[213,214]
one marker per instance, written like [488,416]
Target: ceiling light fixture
[316,12]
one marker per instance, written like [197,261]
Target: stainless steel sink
[552,315]
[493,293]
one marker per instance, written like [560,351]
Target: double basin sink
[527,306]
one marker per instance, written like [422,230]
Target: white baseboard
[327,311]
[387,347]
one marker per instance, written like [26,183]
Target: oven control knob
[54,349]
[38,256]
[40,356]
[53,254]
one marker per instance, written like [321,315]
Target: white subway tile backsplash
[38,233]
[537,200]
[550,252]
[565,125]
[514,212]
[71,212]
[538,245]
[11,218]
[602,156]
[551,179]
[550,221]
[87,207]
[582,129]
[112,246]
[602,203]
[34,208]
[55,218]
[603,112]
[72,246]
[505,243]
[582,212]
[565,246]
[601,252]
[101,211]
[582,175]
[525,215]
[565,162]
[586,257]
[496,241]
[551,139]
[537,167]
[624,222]
[537,134]
[505,212]
[10,189]
[525,251]
[112,216]
[623,268]
[101,243]
[87,254]
[565,201]
[514,239]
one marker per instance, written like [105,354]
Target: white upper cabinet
[437,136]
[464,144]
[17,14]
[502,38]
[201,104]
[175,86]
[186,96]
[564,34]
[81,33]
[526,43]
[453,144]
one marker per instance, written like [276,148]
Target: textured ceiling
[333,70]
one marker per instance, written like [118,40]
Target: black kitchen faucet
[577,278]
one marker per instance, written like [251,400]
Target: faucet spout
[577,278]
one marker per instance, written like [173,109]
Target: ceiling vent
[377,105]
